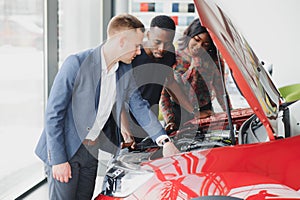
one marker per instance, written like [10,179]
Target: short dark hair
[164,22]
[124,22]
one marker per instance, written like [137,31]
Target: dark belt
[88,142]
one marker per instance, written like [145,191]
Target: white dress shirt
[107,97]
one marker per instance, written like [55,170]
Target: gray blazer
[73,103]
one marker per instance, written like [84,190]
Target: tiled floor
[42,192]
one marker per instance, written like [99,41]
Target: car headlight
[121,181]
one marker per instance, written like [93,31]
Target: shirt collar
[104,65]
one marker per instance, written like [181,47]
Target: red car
[247,153]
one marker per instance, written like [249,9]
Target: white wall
[79,26]
[272,28]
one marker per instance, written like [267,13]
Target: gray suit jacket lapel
[85,94]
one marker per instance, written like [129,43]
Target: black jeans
[81,186]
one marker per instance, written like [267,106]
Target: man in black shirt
[152,70]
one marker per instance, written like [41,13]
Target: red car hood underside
[253,81]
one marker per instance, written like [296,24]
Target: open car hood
[253,81]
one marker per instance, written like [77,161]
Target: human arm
[58,102]
[195,79]
[146,118]
[178,91]
[128,139]
[175,91]
[167,110]
[149,122]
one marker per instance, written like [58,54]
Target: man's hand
[125,131]
[128,140]
[169,149]
[62,172]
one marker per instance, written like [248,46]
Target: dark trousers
[84,171]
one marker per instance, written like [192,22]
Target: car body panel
[241,171]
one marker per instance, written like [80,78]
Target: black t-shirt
[150,74]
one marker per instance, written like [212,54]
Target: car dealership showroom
[226,125]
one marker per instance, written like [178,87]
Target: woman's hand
[203,114]
[170,126]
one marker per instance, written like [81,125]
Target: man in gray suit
[88,93]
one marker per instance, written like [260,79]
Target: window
[79,26]
[22,94]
